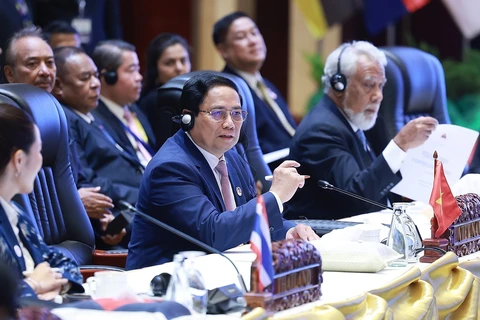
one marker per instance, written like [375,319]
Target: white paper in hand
[453,145]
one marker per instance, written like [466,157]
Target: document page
[453,144]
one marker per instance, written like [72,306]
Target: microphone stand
[328,186]
[185,236]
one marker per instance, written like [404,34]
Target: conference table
[446,289]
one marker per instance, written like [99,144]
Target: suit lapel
[29,238]
[9,246]
[114,126]
[363,156]
[235,182]
[202,165]
[127,155]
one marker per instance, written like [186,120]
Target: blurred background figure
[61,34]
[84,15]
[45,271]
[15,15]
[168,56]
[240,43]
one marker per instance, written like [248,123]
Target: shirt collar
[211,159]
[250,79]
[115,108]
[87,117]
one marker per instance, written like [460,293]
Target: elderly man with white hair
[330,143]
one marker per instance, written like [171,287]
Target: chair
[168,99]
[54,204]
[415,87]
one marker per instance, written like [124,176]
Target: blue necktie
[361,136]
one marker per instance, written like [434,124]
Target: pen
[270,177]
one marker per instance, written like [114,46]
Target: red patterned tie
[225,184]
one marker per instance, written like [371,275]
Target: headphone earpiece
[110,77]
[187,121]
[338,81]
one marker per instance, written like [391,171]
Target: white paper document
[453,144]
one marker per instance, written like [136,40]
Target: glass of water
[196,283]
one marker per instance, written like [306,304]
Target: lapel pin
[239,191]
[18,251]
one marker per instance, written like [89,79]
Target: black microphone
[328,186]
[214,295]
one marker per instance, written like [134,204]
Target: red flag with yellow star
[442,200]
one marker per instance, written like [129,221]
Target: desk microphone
[221,296]
[328,186]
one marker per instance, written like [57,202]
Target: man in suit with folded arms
[104,163]
[330,143]
[241,45]
[121,83]
[29,59]
[198,185]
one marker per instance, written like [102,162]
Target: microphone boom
[185,236]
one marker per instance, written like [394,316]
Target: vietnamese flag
[379,14]
[442,200]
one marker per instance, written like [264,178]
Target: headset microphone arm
[328,186]
[185,236]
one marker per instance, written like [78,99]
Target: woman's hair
[155,50]
[16,132]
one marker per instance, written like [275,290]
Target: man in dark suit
[330,143]
[198,185]
[121,83]
[241,45]
[104,163]
[29,59]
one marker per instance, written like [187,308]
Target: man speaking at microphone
[330,143]
[198,185]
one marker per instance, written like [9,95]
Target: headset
[110,77]
[186,120]
[338,81]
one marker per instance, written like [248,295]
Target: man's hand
[95,203]
[415,133]
[286,180]
[301,231]
[115,239]
[109,239]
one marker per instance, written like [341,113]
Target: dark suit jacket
[272,135]
[179,188]
[328,149]
[39,251]
[116,129]
[117,172]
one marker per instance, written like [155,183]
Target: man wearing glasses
[196,184]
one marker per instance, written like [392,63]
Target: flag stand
[430,256]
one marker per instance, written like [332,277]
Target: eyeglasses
[221,114]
